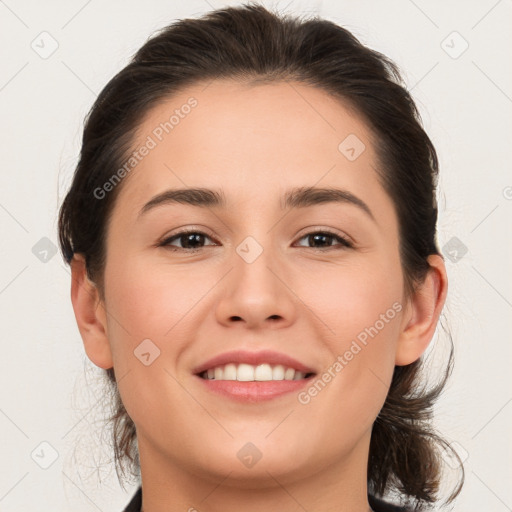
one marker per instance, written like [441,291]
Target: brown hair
[251,45]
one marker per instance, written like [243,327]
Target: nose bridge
[255,263]
[256,290]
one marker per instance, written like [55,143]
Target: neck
[170,486]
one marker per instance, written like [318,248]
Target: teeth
[289,374]
[230,372]
[244,372]
[278,372]
[263,372]
[249,373]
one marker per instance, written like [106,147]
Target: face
[317,280]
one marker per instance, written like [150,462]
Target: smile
[252,373]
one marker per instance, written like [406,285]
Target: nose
[257,293]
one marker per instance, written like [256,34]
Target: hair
[252,45]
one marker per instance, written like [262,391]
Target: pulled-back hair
[252,45]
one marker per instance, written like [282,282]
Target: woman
[251,232]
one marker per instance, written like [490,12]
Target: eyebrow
[300,197]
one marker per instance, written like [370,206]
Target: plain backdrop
[456,59]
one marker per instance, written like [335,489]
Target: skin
[309,300]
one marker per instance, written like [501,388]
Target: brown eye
[190,241]
[325,239]
[193,241]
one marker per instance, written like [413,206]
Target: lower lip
[255,391]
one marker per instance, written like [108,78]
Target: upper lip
[253,358]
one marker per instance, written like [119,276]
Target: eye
[193,241]
[325,238]
[189,240]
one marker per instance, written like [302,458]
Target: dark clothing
[376,504]
[136,503]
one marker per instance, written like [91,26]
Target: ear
[90,315]
[422,313]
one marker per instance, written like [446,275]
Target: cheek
[149,299]
[147,302]
[348,298]
[360,310]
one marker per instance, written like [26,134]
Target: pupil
[190,238]
[317,236]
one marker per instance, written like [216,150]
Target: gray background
[49,390]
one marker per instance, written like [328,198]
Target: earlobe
[90,315]
[423,311]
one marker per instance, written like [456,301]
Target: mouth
[250,377]
[254,373]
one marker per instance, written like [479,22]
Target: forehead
[252,138]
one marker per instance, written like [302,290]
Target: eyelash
[344,242]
